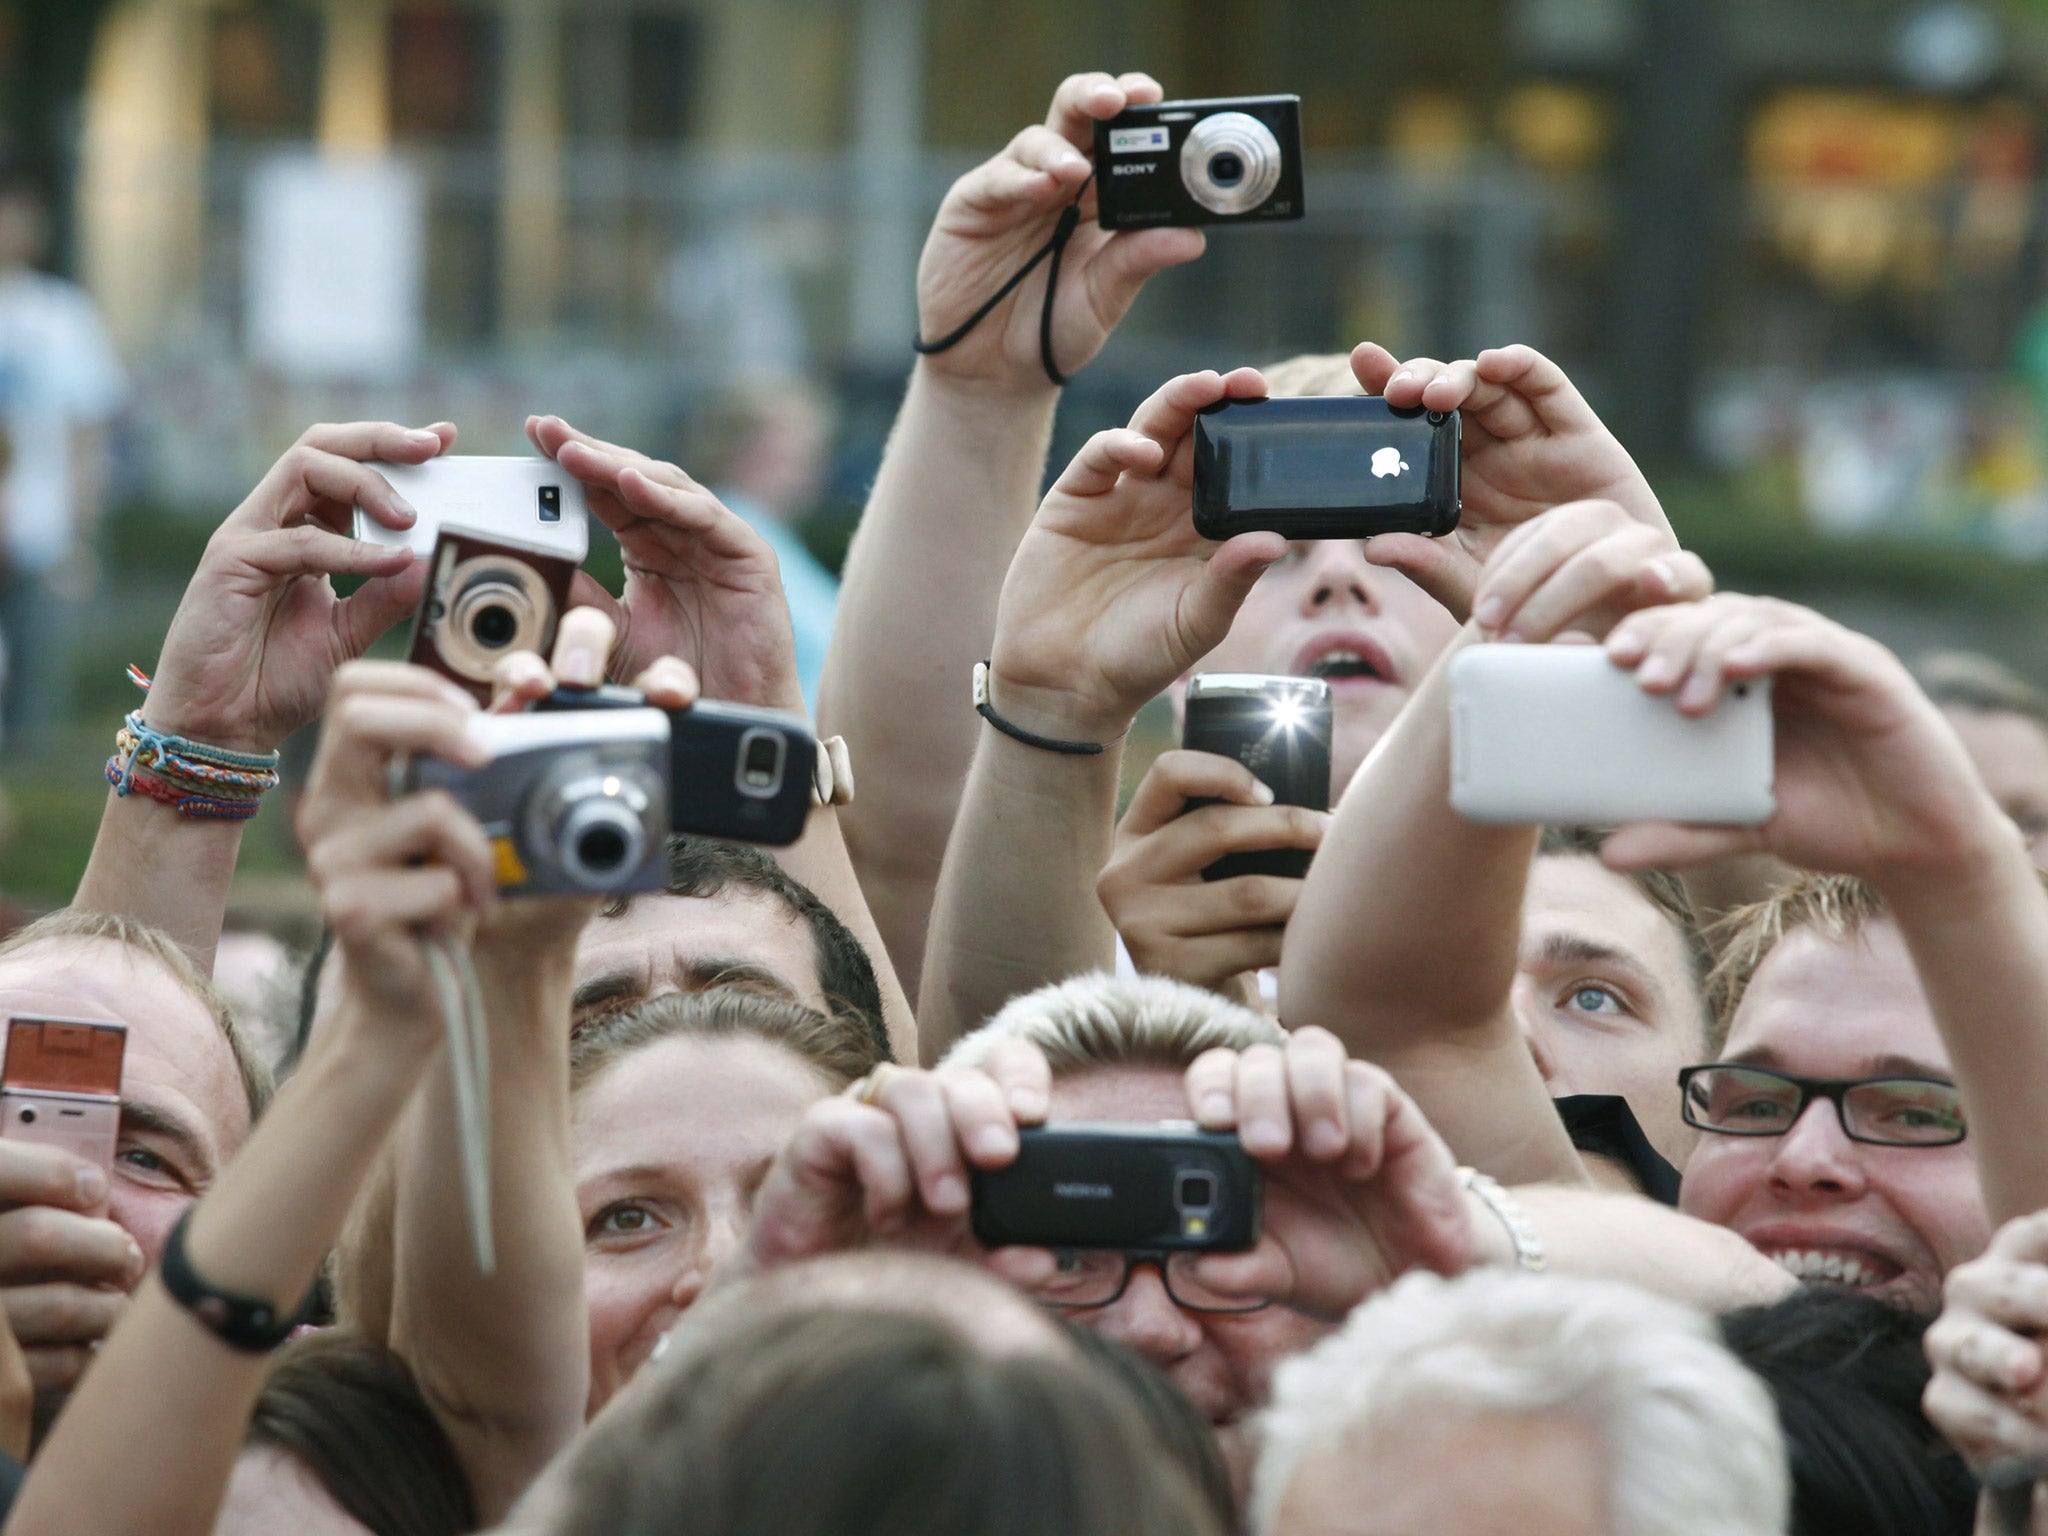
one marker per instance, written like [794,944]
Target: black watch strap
[246,1323]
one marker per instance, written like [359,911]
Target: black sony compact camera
[1235,160]
[1079,1185]
[1325,467]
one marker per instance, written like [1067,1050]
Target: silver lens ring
[601,840]
[1230,140]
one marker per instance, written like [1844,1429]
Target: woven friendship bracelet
[216,783]
[126,781]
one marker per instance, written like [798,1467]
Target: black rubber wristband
[1053,249]
[987,711]
[246,1323]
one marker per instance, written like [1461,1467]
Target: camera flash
[1287,714]
[1194,1226]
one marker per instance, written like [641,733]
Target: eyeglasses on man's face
[1882,1111]
[1085,1278]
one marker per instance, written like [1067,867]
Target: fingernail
[1696,693]
[1028,1105]
[1745,654]
[1657,671]
[92,1186]
[136,1262]
[948,1194]
[1398,377]
[578,668]
[991,1141]
[403,505]
[1666,574]
[1488,611]
[1326,1138]
[1215,1106]
[1073,161]
[1262,792]
[419,437]
[1511,638]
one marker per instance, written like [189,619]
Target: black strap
[987,711]
[247,1323]
[1062,232]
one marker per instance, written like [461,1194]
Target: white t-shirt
[58,372]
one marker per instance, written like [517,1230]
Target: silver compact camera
[574,803]
[1233,160]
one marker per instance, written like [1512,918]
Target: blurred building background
[1794,249]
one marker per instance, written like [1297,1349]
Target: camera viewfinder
[760,769]
[551,503]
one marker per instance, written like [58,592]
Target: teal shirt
[812,591]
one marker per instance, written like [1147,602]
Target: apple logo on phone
[1387,461]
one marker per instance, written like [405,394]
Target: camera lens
[600,840]
[1230,163]
[493,627]
[1195,1191]
[28,1117]
[601,849]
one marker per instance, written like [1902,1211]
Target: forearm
[1404,945]
[1016,905]
[821,861]
[169,1398]
[1629,1238]
[170,871]
[1979,940]
[502,1358]
[955,492]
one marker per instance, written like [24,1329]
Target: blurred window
[630,76]
[444,71]
[263,69]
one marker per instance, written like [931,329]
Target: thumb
[1675,845]
[1437,566]
[1209,605]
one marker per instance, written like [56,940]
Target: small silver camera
[1178,163]
[574,803]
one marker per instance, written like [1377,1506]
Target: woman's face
[671,1144]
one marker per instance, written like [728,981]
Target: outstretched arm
[1422,984]
[1111,597]
[250,656]
[957,485]
[151,1437]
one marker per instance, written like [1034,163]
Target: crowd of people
[1643,1180]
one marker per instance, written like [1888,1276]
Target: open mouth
[1852,1269]
[1346,664]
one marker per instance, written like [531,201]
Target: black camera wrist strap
[1055,248]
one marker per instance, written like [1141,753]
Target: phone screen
[64,1056]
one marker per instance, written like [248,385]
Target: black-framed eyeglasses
[1086,1278]
[1883,1111]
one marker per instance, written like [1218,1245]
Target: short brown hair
[155,944]
[838,1050]
[1659,887]
[1100,1020]
[1838,905]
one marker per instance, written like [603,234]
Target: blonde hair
[1312,373]
[1100,1020]
[1839,906]
[155,944]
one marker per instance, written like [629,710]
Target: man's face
[1469,1475]
[1842,1008]
[665,944]
[2011,754]
[1323,612]
[1606,995]
[184,1112]
[1224,1362]
[672,1143]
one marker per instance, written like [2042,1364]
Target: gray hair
[1691,1437]
[1100,1020]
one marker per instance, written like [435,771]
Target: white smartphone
[61,1084]
[532,500]
[1548,734]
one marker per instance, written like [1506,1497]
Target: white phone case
[491,497]
[1546,734]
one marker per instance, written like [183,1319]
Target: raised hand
[1871,781]
[1583,567]
[1360,1189]
[700,583]
[255,644]
[996,216]
[1530,443]
[1113,594]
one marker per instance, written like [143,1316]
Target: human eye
[144,1165]
[1595,997]
[622,1219]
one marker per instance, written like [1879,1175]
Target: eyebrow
[605,987]
[717,971]
[1570,949]
[137,1116]
[1889,1064]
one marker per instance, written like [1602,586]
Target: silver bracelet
[1522,1233]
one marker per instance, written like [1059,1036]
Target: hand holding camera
[1987,1395]
[65,1268]
[1530,442]
[700,583]
[997,215]
[254,646]
[388,870]
[1113,594]
[1176,922]
[1870,780]
[1360,1189]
